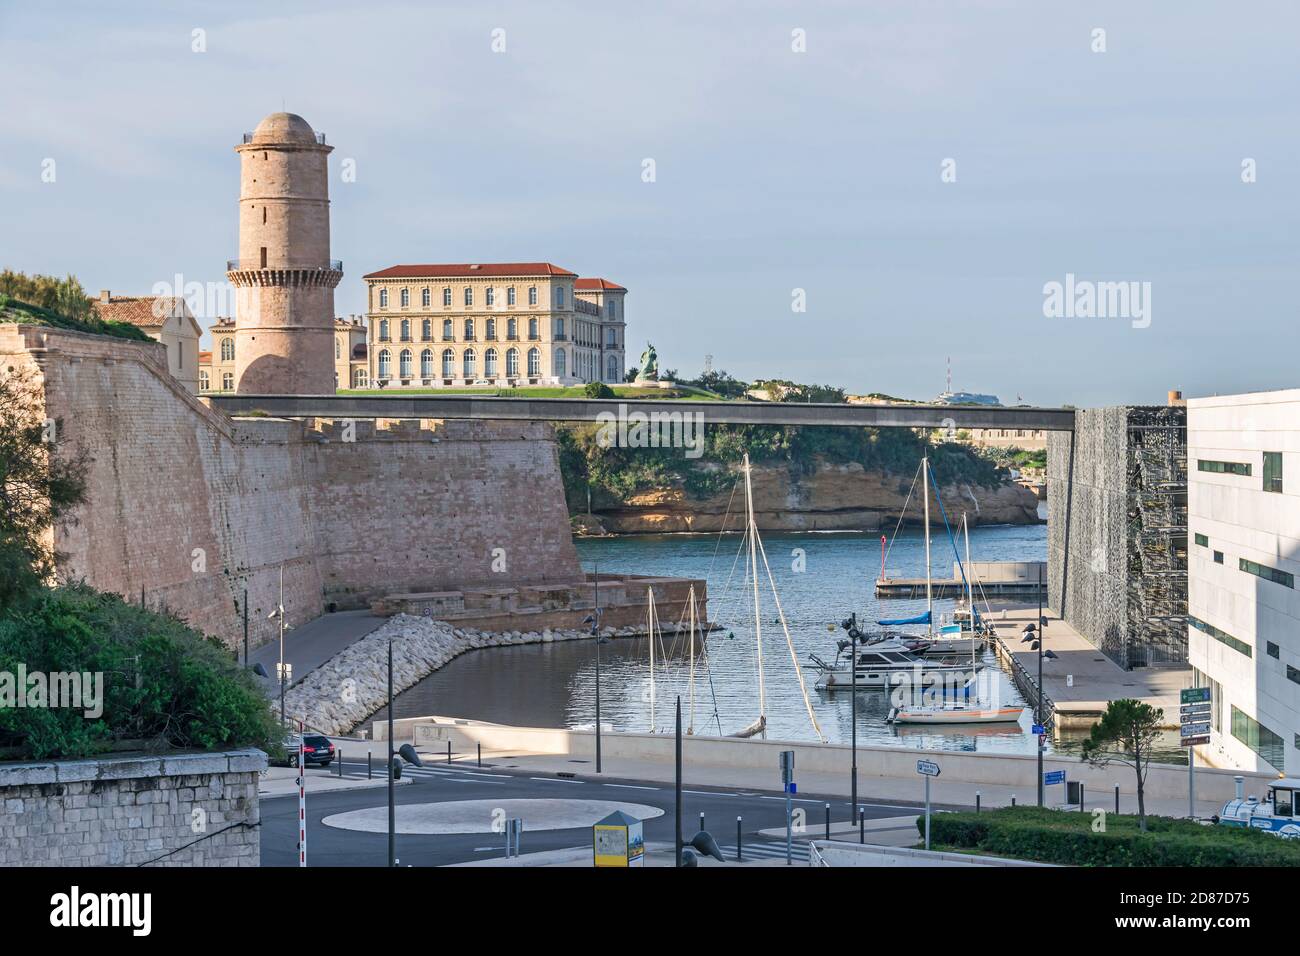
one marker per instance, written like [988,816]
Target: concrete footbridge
[595,409]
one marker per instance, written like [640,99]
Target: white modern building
[1243,537]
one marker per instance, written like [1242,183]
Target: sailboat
[960,710]
[756,550]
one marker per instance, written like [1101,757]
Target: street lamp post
[392,804]
[1034,637]
[594,620]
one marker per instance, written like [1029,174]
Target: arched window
[469,295]
[448,363]
[469,361]
[426,363]
[425,299]
[534,362]
[448,330]
[512,362]
[383,298]
[490,363]
[426,329]
[406,330]
[532,329]
[532,295]
[510,296]
[385,363]
[227,350]
[359,378]
[512,329]
[490,328]
[383,330]
[406,298]
[612,368]
[404,363]
[469,330]
[446,297]
[557,363]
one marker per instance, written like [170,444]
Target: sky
[921,170]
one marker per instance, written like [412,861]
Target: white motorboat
[888,664]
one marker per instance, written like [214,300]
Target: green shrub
[598,390]
[1067,838]
[164,684]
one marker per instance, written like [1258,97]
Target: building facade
[284,278]
[165,319]
[492,324]
[1117,544]
[1243,608]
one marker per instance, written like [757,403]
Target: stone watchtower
[284,277]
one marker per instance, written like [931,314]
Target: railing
[247,265]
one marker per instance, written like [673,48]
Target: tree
[38,484]
[1125,735]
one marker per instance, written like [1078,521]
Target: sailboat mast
[929,595]
[753,564]
[690,725]
[970,590]
[650,628]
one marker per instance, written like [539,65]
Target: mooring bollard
[738,838]
[828,821]
[977,801]
[862,825]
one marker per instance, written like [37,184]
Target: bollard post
[370,770]
[1013,799]
[1117,799]
[480,753]
[448,750]
[862,825]
[1081,799]
[738,838]
[828,821]
[701,821]
[977,801]
[339,755]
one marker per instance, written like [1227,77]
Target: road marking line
[625,786]
[711,793]
[498,783]
[554,780]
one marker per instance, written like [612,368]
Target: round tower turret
[284,277]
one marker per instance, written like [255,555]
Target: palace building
[502,324]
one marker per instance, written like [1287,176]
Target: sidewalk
[279,781]
[310,645]
[903,794]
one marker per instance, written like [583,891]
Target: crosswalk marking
[769,851]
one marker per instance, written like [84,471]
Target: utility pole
[677,819]
[1042,637]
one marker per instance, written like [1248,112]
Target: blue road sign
[1051,777]
[791,787]
[1039,729]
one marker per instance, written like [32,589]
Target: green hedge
[164,685]
[1067,838]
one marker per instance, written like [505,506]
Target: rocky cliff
[832,497]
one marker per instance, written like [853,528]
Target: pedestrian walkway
[767,851]
[310,645]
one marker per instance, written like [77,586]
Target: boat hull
[973,714]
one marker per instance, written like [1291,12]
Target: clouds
[776,169]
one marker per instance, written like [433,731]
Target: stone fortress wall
[192,507]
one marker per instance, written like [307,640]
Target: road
[497,784]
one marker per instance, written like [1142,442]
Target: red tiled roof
[205,356]
[146,311]
[602,284]
[469,270]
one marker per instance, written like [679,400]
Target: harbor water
[820,579]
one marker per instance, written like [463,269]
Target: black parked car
[317,750]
